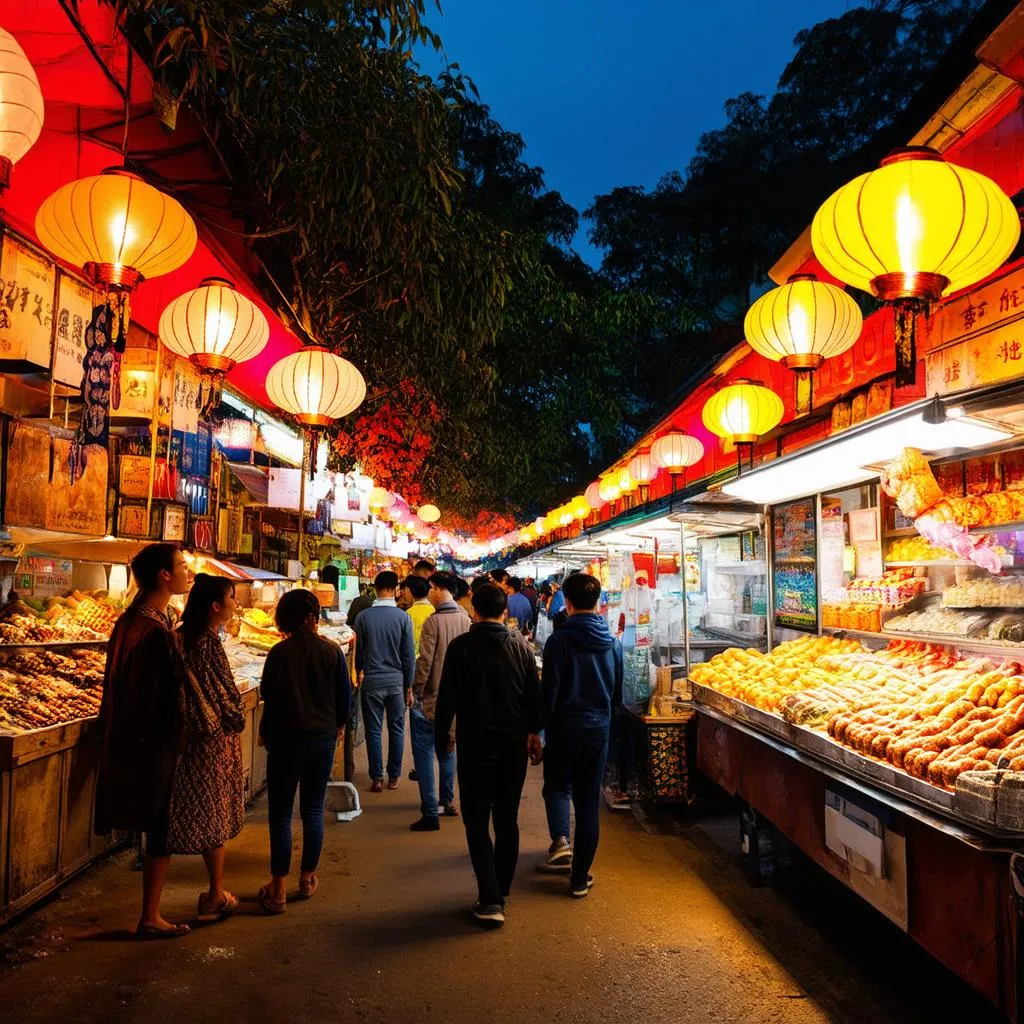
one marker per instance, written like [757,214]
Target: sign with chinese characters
[138,386]
[175,522]
[26,304]
[977,312]
[51,577]
[185,410]
[985,358]
[74,310]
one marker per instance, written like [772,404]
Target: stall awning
[105,550]
[253,479]
[243,573]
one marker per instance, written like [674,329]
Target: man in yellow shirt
[421,609]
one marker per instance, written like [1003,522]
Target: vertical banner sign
[26,304]
[74,310]
[794,565]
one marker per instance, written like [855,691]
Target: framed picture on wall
[175,526]
[132,521]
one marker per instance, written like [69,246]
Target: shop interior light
[21,106]
[855,456]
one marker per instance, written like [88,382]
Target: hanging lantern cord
[907,313]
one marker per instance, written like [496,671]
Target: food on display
[847,615]
[24,629]
[45,688]
[916,549]
[257,629]
[986,592]
[936,620]
[1006,629]
[764,679]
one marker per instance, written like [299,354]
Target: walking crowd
[454,655]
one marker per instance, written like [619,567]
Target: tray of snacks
[986,592]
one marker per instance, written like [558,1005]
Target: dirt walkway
[671,933]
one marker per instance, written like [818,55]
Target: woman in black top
[306,693]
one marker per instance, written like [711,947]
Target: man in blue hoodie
[581,687]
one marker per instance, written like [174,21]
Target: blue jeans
[302,762]
[375,704]
[574,761]
[423,754]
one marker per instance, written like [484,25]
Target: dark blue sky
[617,92]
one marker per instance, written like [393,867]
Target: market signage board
[26,304]
[794,565]
[989,358]
[283,487]
[74,311]
[351,497]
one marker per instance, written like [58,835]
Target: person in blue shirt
[386,669]
[557,601]
[581,685]
[519,607]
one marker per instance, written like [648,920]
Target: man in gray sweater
[448,621]
[385,667]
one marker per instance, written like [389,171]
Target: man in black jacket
[489,685]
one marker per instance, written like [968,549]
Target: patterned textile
[207,799]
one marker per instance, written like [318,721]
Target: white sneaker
[490,916]
[559,860]
[577,892]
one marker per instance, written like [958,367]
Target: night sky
[617,92]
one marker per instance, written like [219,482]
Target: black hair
[294,609]
[386,580]
[444,581]
[481,581]
[545,590]
[152,560]
[417,586]
[330,574]
[582,591]
[515,583]
[489,601]
[460,588]
[423,563]
[206,591]
[499,575]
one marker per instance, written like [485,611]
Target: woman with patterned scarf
[207,799]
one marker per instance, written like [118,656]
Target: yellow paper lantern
[540,526]
[21,106]
[803,323]
[429,513]
[214,326]
[579,507]
[381,498]
[627,485]
[743,411]
[916,227]
[316,386]
[609,488]
[117,228]
[676,452]
[565,516]
[526,535]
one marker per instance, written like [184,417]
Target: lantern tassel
[907,313]
[804,392]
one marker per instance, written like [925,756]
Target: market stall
[881,729]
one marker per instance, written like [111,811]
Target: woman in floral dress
[207,800]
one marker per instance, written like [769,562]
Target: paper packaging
[854,835]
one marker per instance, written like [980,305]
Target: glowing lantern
[316,386]
[802,324]
[117,228]
[540,526]
[381,498]
[429,513]
[643,469]
[214,327]
[579,507]
[742,412]
[21,106]
[609,489]
[565,516]
[526,534]
[911,231]
[594,497]
[676,452]
[627,484]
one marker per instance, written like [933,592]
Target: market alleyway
[671,933]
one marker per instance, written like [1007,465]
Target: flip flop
[308,888]
[151,932]
[228,907]
[266,897]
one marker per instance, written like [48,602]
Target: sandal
[308,887]
[266,897]
[149,932]
[228,906]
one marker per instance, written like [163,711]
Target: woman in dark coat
[207,799]
[141,725]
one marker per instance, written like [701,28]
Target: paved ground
[671,933]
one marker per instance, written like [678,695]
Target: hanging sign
[81,506]
[352,497]
[283,490]
[186,397]
[989,358]
[134,476]
[138,386]
[26,304]
[74,310]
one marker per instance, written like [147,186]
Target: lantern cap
[904,153]
[218,282]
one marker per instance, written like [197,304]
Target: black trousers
[490,787]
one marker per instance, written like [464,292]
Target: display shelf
[991,648]
[939,563]
[53,645]
[901,531]
[1000,528]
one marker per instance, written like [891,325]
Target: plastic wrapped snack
[909,481]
